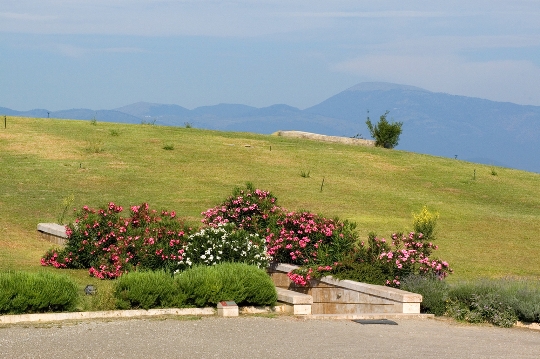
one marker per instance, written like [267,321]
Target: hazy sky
[103,54]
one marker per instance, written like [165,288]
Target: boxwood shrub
[239,282]
[147,290]
[22,292]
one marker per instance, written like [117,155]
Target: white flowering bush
[224,243]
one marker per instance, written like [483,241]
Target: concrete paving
[263,337]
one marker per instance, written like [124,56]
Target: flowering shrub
[407,254]
[110,245]
[249,209]
[425,222]
[224,243]
[247,227]
[312,241]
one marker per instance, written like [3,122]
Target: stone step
[295,303]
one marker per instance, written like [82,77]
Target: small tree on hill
[385,134]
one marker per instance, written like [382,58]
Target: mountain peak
[383,86]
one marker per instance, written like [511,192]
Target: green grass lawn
[488,224]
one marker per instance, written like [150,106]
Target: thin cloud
[367,14]
[76,51]
[26,16]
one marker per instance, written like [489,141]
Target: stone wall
[332,296]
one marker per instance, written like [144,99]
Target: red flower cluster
[110,245]
[248,209]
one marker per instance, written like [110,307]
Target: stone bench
[295,303]
[52,232]
[333,296]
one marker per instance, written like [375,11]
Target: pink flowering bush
[249,209]
[303,238]
[314,242]
[405,254]
[110,245]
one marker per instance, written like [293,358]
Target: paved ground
[260,337]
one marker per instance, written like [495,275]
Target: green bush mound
[501,302]
[22,292]
[364,272]
[433,290]
[242,283]
[199,286]
[147,290]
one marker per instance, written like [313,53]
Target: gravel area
[263,337]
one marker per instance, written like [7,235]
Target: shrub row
[199,286]
[323,246]
[501,302]
[22,292]
[247,227]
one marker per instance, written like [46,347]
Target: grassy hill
[489,216]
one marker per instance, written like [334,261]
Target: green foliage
[168,147]
[425,222]
[304,174]
[147,290]
[22,292]
[385,134]
[242,283]
[501,302]
[364,272]
[114,132]
[433,290]
[490,307]
[67,202]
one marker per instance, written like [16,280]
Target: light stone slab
[54,229]
[53,317]
[333,296]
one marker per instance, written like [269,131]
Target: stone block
[227,309]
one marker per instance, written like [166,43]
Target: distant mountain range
[477,130]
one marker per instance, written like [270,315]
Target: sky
[104,54]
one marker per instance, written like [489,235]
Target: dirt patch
[42,145]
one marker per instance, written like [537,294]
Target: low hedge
[242,283]
[22,292]
[501,302]
[147,290]
[199,286]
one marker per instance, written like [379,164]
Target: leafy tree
[385,134]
